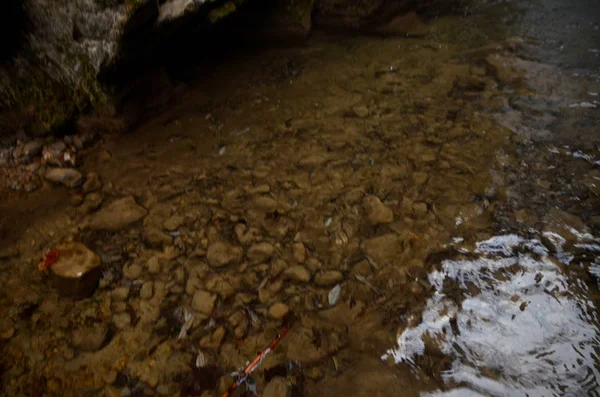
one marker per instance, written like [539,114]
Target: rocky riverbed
[353,184]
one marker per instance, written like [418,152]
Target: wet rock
[91,338]
[260,252]
[221,254]
[156,238]
[7,328]
[362,268]
[377,212]
[277,387]
[384,249]
[174,222]
[408,24]
[247,235]
[313,161]
[299,252]
[133,271]
[92,183]
[77,271]
[419,178]
[264,204]
[32,148]
[122,320]
[239,322]
[153,265]
[326,278]
[297,273]
[314,264]
[419,209]
[9,252]
[214,340]
[68,177]
[91,203]
[147,290]
[220,285]
[278,310]
[361,111]
[203,302]
[314,373]
[117,215]
[120,294]
[301,347]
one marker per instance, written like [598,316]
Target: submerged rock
[221,254]
[377,212]
[117,215]
[65,176]
[277,387]
[278,310]
[77,271]
[203,302]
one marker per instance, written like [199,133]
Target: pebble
[203,302]
[147,290]
[133,271]
[173,223]
[66,176]
[278,310]
[260,252]
[327,278]
[9,252]
[419,209]
[314,264]
[153,265]
[91,203]
[264,203]
[299,252]
[92,183]
[361,111]
[156,238]
[117,215]
[220,254]
[214,340]
[221,286]
[120,293]
[377,212]
[419,178]
[277,387]
[297,273]
[91,338]
[122,320]
[32,148]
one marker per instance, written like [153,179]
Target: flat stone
[32,148]
[68,177]
[264,203]
[260,252]
[203,302]
[117,215]
[147,290]
[377,212]
[326,278]
[277,387]
[383,249]
[297,273]
[90,338]
[221,254]
[77,271]
[174,222]
[122,320]
[278,310]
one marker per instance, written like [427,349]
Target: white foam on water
[534,327]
